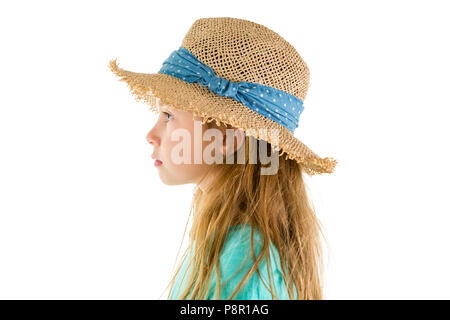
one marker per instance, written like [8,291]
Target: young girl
[254,233]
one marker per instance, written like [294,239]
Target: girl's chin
[169,180]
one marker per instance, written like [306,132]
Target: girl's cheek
[167,147]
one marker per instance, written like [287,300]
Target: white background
[83,214]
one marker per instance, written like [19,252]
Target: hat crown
[241,50]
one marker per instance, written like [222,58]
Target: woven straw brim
[162,89]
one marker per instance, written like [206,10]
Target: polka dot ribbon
[272,103]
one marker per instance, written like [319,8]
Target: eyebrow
[164,108]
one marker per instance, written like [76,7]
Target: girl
[254,233]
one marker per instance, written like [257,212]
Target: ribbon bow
[272,103]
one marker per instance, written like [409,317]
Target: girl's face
[166,141]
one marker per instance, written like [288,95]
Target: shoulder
[236,259]
[239,242]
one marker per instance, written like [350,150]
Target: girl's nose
[152,138]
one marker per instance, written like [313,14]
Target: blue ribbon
[272,103]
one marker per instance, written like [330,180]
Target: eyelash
[168,114]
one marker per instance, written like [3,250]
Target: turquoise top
[237,251]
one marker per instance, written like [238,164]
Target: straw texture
[237,50]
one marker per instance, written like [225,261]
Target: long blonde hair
[277,205]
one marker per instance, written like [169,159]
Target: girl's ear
[232,142]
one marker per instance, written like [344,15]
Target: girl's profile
[228,102]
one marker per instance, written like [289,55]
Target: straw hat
[232,71]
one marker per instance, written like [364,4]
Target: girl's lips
[158,163]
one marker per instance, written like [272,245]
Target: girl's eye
[168,115]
